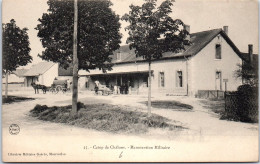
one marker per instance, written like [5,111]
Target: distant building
[211,59]
[209,63]
[250,59]
[16,77]
[42,73]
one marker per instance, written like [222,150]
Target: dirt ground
[206,138]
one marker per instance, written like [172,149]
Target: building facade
[207,64]
[42,73]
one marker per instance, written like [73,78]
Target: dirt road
[206,139]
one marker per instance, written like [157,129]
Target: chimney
[225,28]
[250,53]
[187,28]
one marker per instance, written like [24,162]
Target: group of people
[121,89]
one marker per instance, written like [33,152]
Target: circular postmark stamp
[14,129]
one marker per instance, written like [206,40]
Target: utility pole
[149,90]
[75,62]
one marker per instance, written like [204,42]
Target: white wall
[82,83]
[169,67]
[204,67]
[48,77]
[201,70]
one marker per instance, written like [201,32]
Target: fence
[210,94]
[241,106]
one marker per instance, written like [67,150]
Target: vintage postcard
[130,81]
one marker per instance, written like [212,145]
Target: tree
[16,49]
[248,72]
[75,62]
[152,32]
[98,34]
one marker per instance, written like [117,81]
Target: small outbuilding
[43,73]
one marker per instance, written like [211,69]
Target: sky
[241,17]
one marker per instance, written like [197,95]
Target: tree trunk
[74,110]
[149,91]
[6,84]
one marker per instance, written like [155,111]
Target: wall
[204,67]
[48,77]
[82,83]
[169,67]
[201,71]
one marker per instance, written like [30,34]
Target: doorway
[218,81]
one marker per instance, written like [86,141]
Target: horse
[36,87]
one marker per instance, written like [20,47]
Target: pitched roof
[20,72]
[199,40]
[245,57]
[39,69]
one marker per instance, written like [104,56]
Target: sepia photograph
[130,81]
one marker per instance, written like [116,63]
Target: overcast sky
[241,16]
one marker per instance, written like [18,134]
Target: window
[218,81]
[118,56]
[218,51]
[161,79]
[179,79]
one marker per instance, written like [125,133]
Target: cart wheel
[58,88]
[64,90]
[52,90]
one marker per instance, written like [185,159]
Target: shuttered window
[161,79]
[179,80]
[218,51]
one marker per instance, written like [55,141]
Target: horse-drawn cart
[59,85]
[99,88]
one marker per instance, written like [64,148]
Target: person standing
[96,87]
[68,84]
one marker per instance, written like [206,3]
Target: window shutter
[176,79]
[164,79]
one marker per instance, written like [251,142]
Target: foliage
[246,89]
[98,33]
[152,31]
[174,105]
[16,47]
[104,117]
[242,105]
[248,72]
[12,99]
